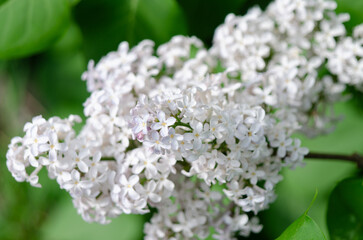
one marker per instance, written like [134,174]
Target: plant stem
[356,158]
[108,159]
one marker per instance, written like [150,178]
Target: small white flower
[282,143]
[128,186]
[296,152]
[163,124]
[249,134]
[156,143]
[80,159]
[33,140]
[53,146]
[254,175]
[149,191]
[175,138]
[141,124]
[197,135]
[75,185]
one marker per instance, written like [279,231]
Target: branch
[356,158]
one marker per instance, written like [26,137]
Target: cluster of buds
[200,135]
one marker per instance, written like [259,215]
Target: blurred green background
[45,46]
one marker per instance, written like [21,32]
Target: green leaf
[73,2]
[64,216]
[30,26]
[199,12]
[304,228]
[345,210]
[70,41]
[204,16]
[354,8]
[3,1]
[106,23]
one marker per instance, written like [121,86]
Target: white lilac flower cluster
[199,136]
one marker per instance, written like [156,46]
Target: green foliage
[354,8]
[57,75]
[303,228]
[49,84]
[3,1]
[204,16]
[106,23]
[73,2]
[22,209]
[30,26]
[345,210]
[124,227]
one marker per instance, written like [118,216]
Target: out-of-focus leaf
[345,210]
[3,1]
[73,2]
[354,8]
[106,23]
[63,63]
[304,228]
[29,26]
[356,98]
[70,41]
[204,16]
[66,92]
[124,227]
